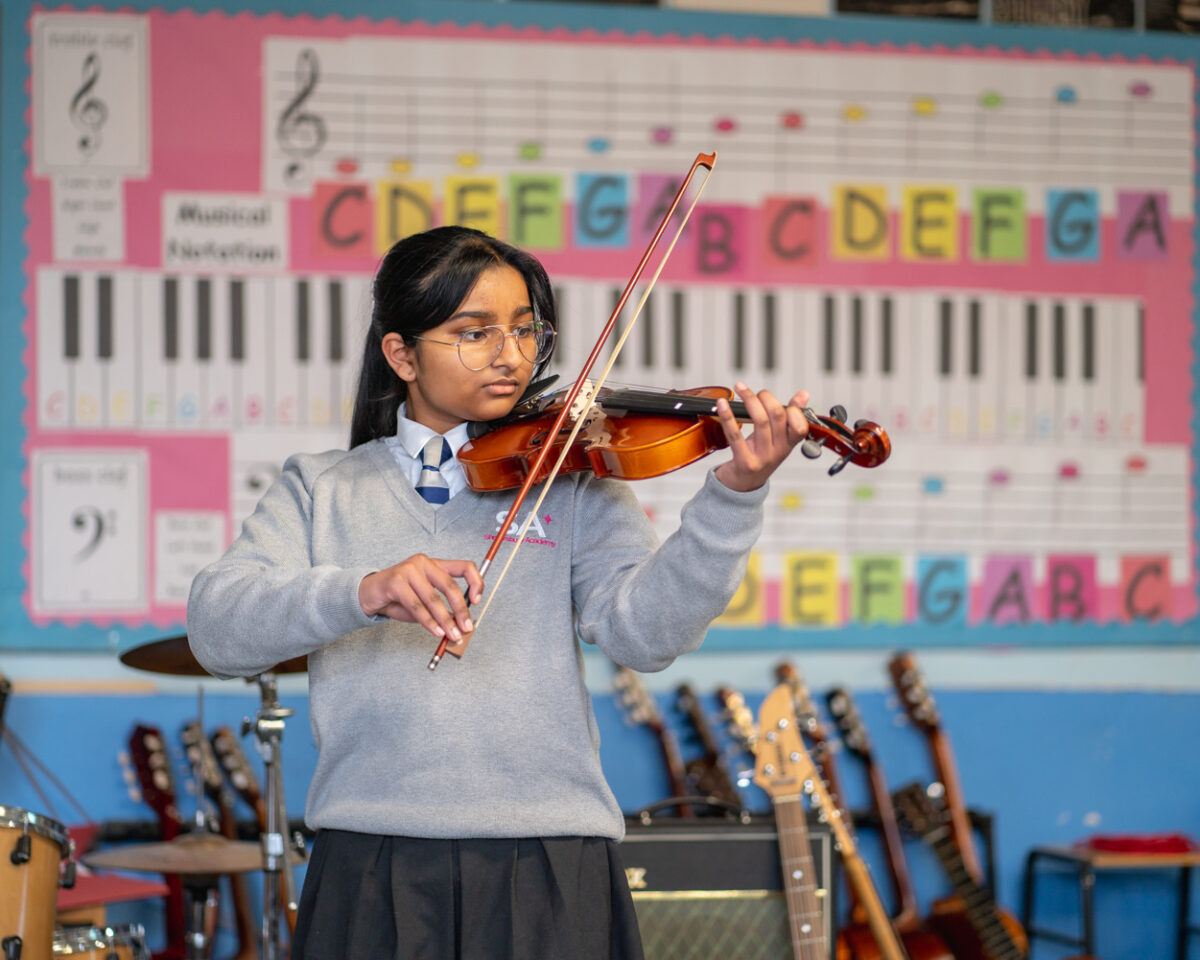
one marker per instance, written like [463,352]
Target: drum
[125,942]
[31,849]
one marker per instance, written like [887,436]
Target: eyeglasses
[479,346]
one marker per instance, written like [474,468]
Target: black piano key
[739,331]
[1089,342]
[856,334]
[237,320]
[302,321]
[104,317]
[1031,350]
[203,319]
[647,322]
[946,338]
[975,335]
[885,335]
[171,318]
[336,331]
[678,326]
[830,345]
[71,317]
[1060,342]
[770,334]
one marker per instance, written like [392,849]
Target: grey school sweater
[501,743]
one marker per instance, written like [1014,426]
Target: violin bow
[703,161]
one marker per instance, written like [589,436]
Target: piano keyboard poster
[988,252]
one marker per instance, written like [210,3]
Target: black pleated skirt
[405,898]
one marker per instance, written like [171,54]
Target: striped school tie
[431,484]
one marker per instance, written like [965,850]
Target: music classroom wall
[988,250]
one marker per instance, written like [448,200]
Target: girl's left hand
[777,429]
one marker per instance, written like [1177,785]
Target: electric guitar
[785,771]
[148,753]
[201,758]
[640,708]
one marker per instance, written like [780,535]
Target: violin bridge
[584,404]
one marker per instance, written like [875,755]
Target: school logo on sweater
[535,535]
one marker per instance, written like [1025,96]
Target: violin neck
[691,406]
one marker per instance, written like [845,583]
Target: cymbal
[199,853]
[174,655]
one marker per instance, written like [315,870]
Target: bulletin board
[981,239]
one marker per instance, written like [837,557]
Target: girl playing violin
[463,813]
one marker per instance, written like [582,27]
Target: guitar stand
[200,888]
[277,864]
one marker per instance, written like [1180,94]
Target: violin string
[593,391]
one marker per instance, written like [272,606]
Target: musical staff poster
[988,252]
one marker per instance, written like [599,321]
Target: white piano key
[90,403]
[1013,372]
[1129,383]
[292,329]
[954,357]
[252,365]
[1069,381]
[1042,405]
[122,399]
[900,413]
[156,390]
[325,322]
[212,352]
[55,373]
[925,319]
[985,370]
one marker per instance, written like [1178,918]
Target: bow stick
[705,160]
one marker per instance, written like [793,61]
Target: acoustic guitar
[785,771]
[955,918]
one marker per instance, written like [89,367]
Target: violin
[634,434]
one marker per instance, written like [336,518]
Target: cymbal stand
[277,865]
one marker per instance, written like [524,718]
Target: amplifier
[712,890]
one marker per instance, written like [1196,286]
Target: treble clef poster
[982,242]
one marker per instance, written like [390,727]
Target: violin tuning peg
[838,412]
[811,449]
[859,424]
[837,467]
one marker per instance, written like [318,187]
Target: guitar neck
[907,913]
[979,904]
[805,916]
[960,821]
[890,947]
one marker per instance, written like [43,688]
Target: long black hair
[420,283]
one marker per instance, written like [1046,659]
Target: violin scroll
[866,445]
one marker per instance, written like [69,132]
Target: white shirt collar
[413,436]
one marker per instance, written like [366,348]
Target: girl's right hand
[424,590]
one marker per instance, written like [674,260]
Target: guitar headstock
[849,721]
[202,760]
[148,753]
[782,766]
[739,718]
[807,714]
[914,694]
[231,759]
[920,813]
[635,699]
